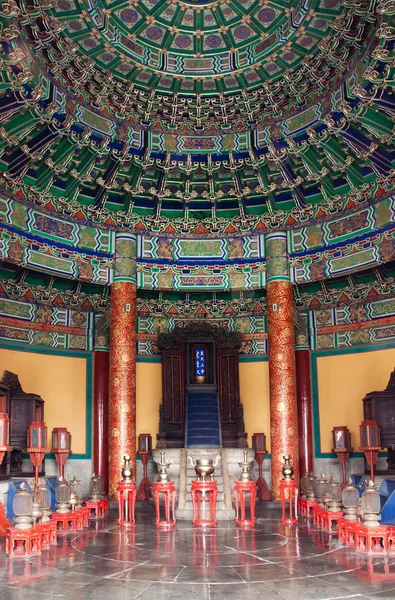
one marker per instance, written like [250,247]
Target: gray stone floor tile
[269,562]
[109,589]
[247,591]
[309,588]
[385,595]
[209,575]
[175,592]
[264,572]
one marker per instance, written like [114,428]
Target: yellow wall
[254,394]
[148,398]
[61,382]
[343,380]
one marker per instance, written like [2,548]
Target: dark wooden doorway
[176,378]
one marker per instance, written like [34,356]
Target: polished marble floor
[269,562]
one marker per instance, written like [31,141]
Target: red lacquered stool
[293,492]
[373,540]
[83,514]
[243,491]
[65,522]
[391,539]
[49,534]
[23,542]
[317,512]
[126,493]
[346,531]
[169,495]
[199,489]
[95,511]
[306,507]
[330,519]
[103,507]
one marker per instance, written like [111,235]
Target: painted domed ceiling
[197,116]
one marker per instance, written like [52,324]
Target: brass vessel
[246,468]
[205,467]
[287,470]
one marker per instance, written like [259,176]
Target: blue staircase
[202,419]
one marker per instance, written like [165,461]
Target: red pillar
[122,405]
[282,372]
[303,380]
[100,414]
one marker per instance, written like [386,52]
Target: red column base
[169,492]
[144,491]
[198,492]
[241,489]
[263,492]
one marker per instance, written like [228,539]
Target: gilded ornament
[287,469]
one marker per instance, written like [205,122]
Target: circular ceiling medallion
[199,2]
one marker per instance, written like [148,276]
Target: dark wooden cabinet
[24,408]
[380,406]
[5,408]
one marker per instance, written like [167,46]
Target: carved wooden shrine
[380,406]
[5,408]
[24,408]
[223,378]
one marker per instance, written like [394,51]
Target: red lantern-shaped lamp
[342,447]
[145,451]
[4,436]
[145,443]
[259,446]
[61,446]
[37,445]
[370,443]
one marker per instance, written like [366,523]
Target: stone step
[208,417]
[222,514]
[203,441]
[198,424]
[186,512]
[199,432]
[220,499]
[220,503]
[220,493]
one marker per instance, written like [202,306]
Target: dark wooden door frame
[172,409]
